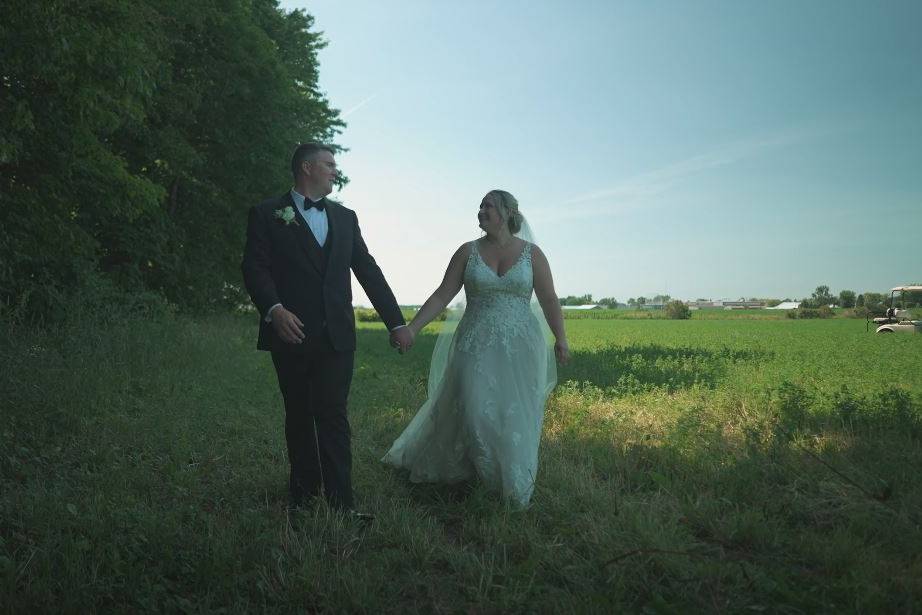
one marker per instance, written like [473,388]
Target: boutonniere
[286,215]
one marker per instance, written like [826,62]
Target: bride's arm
[451,284]
[550,304]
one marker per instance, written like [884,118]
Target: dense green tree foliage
[847,298]
[134,136]
[574,300]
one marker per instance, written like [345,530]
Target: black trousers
[315,387]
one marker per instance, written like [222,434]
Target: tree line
[611,302]
[135,135]
[870,301]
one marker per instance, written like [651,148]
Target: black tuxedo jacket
[282,263]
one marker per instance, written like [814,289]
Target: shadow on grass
[793,437]
[386,381]
[155,453]
[374,352]
[638,368]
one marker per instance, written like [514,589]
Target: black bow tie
[319,205]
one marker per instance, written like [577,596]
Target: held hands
[288,326]
[562,352]
[402,339]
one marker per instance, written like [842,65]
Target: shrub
[366,315]
[857,312]
[821,312]
[370,315]
[677,310]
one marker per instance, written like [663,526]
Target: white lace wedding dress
[483,419]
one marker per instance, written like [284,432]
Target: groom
[299,251]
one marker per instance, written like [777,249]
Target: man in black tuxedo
[299,251]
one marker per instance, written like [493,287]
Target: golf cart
[905,312]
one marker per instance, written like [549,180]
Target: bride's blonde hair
[508,208]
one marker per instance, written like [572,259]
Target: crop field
[736,464]
[745,355]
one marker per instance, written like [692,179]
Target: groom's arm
[257,264]
[369,275]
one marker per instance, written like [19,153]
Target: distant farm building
[590,306]
[786,305]
[743,305]
[726,305]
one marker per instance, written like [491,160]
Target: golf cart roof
[905,288]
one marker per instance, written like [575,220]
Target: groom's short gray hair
[305,152]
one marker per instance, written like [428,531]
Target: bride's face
[488,217]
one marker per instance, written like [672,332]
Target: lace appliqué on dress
[498,309]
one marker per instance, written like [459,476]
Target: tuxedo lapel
[302,236]
[335,235]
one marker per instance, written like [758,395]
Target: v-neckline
[511,267]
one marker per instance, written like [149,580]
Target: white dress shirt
[316,219]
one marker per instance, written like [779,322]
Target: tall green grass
[685,466]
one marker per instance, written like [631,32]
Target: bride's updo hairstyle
[508,208]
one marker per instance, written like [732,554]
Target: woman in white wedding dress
[491,375]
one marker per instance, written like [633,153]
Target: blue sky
[700,149]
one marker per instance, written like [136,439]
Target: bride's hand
[562,352]
[402,338]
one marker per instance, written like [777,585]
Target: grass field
[703,465]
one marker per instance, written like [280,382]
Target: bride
[491,372]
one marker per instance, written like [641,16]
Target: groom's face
[321,173]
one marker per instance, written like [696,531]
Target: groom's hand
[402,339]
[287,326]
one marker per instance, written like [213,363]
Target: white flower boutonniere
[286,215]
